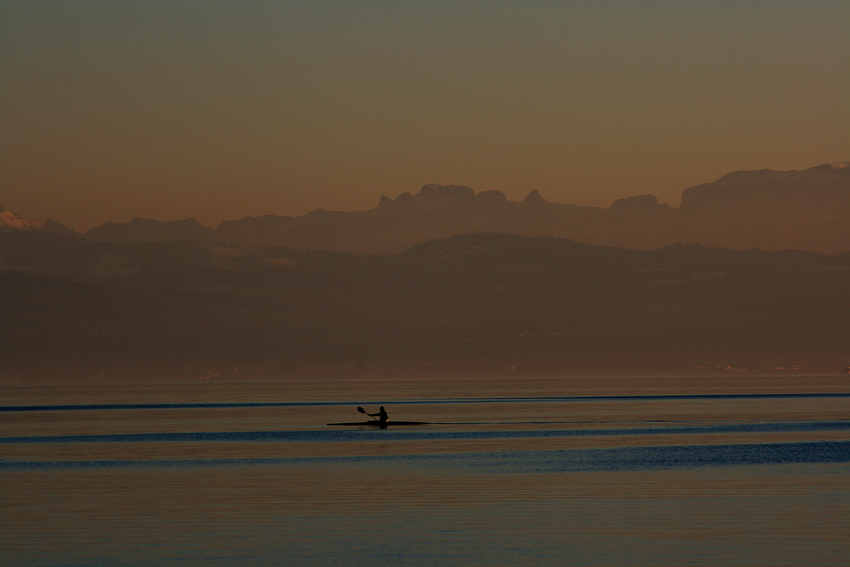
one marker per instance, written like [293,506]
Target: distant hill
[478,303]
[150,230]
[771,210]
[768,210]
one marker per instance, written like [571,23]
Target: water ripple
[374,434]
[522,462]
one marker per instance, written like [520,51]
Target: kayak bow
[376,423]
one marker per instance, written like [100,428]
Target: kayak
[375,423]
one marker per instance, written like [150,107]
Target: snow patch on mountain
[11,221]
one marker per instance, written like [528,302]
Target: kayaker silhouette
[381,415]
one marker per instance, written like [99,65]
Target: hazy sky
[219,109]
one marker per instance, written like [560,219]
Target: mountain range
[763,209]
[9,222]
[275,296]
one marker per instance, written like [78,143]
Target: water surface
[593,471]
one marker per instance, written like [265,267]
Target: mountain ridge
[771,210]
[10,221]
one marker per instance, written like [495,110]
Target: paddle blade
[361,410]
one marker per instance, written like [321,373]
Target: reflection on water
[620,472]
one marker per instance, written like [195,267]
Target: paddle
[361,410]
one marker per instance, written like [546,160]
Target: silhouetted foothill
[56,227]
[489,301]
[385,202]
[150,230]
[491,196]
[635,203]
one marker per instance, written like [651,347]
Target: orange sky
[218,110]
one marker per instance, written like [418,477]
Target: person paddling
[381,415]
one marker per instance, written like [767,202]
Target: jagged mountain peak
[434,191]
[534,198]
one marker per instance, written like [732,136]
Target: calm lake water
[561,471]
